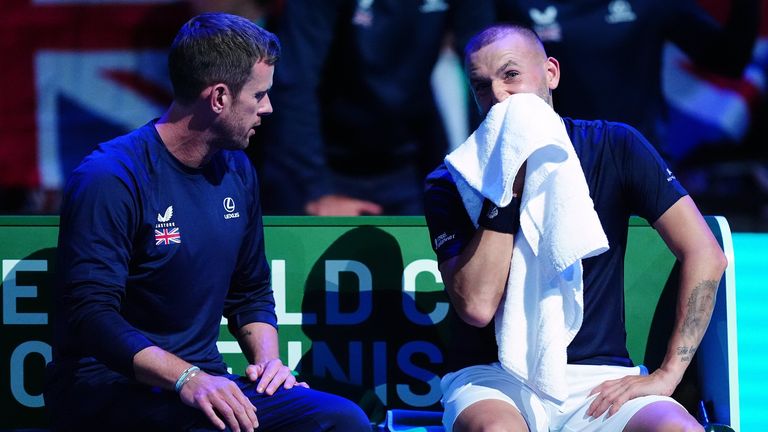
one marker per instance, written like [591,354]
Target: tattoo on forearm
[686,353]
[699,308]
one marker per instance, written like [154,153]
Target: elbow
[721,261]
[477,314]
[717,259]
[711,258]
[477,298]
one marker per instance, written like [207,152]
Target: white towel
[542,307]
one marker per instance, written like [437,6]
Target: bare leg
[663,417]
[490,416]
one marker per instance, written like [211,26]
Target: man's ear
[553,73]
[219,97]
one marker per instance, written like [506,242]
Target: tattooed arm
[702,264]
[696,314]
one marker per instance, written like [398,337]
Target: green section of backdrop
[359,301]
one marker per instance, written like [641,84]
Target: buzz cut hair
[497,31]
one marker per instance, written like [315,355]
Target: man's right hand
[221,401]
[341,205]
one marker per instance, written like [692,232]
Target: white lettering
[279,291]
[12,291]
[295,352]
[405,363]
[410,274]
[333,313]
[228,347]
[17,371]
[442,238]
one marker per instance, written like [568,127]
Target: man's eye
[510,74]
[260,95]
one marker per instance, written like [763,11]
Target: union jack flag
[167,236]
[705,107]
[86,71]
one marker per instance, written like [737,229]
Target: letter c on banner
[409,293]
[17,371]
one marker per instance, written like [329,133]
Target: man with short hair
[625,176]
[161,233]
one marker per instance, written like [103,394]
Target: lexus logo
[229,204]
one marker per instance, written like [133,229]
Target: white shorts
[485,382]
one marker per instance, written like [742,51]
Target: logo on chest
[166,232]
[229,207]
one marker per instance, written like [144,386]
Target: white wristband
[185,377]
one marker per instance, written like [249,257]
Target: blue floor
[751,316]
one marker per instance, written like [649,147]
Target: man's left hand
[271,375]
[612,394]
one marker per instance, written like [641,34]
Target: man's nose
[266,107]
[500,91]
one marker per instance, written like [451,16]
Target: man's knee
[490,416]
[337,413]
[663,417]
[303,409]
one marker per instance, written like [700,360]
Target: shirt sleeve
[250,298]
[651,187]
[98,222]
[450,228]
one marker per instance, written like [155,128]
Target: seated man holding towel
[524,239]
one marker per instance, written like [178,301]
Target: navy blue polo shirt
[626,176]
[152,252]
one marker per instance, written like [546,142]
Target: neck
[184,137]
